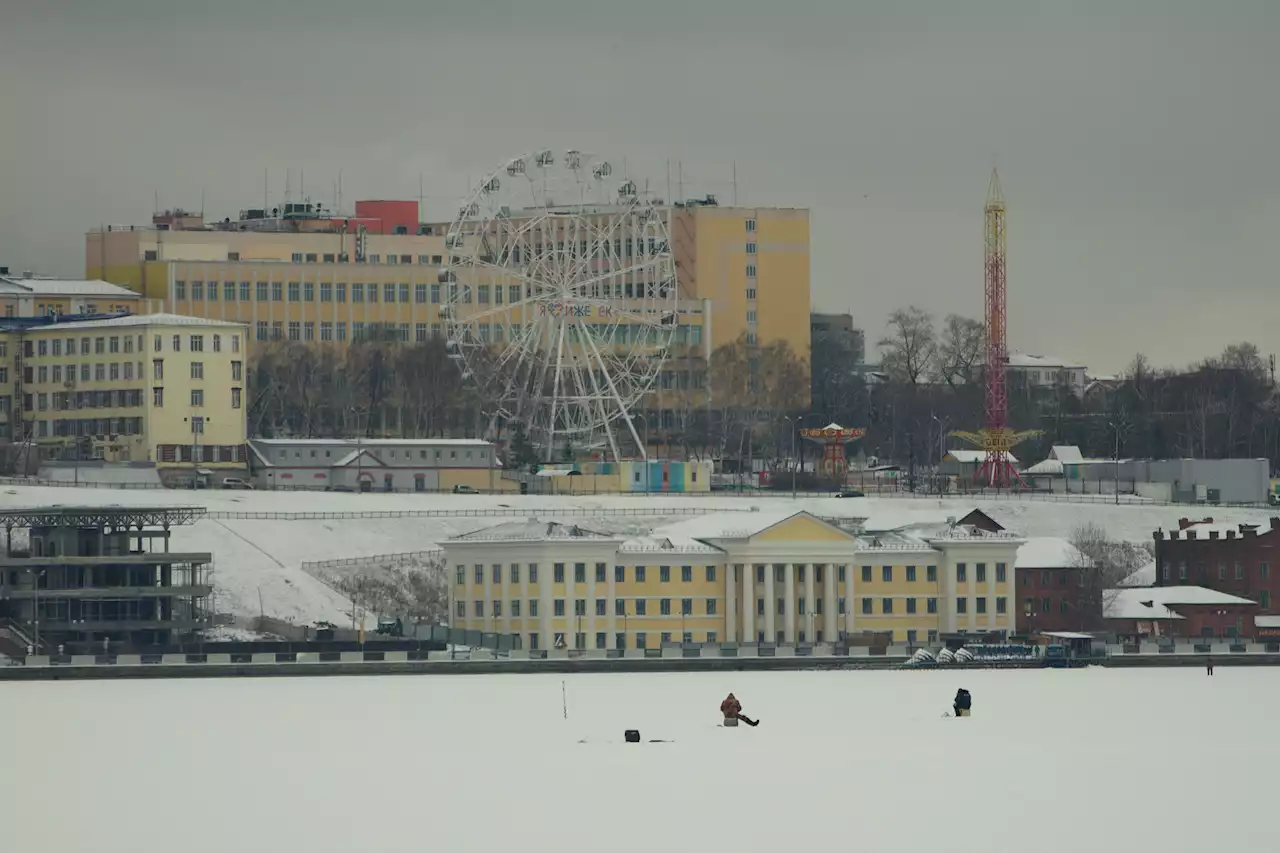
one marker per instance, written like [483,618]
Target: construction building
[783,577]
[162,388]
[94,574]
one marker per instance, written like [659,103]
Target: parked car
[236,483]
[465,490]
[848,492]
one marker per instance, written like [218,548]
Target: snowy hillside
[258,560]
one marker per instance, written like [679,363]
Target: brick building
[1185,612]
[1050,597]
[1229,558]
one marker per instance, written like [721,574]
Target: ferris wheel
[561,300]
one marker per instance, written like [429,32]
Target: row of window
[197,401]
[66,427]
[63,401]
[201,452]
[558,573]
[389,292]
[931,573]
[343,257]
[111,344]
[1264,571]
[710,607]
[621,638]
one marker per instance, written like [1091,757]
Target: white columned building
[730,603]
[831,604]
[789,602]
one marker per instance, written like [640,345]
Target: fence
[404,558]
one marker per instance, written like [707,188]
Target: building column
[730,604]
[611,641]
[748,603]
[524,604]
[770,605]
[589,641]
[546,635]
[467,582]
[810,603]
[830,606]
[504,587]
[789,599]
[488,627]
[848,599]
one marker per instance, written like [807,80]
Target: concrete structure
[1178,611]
[162,388]
[378,464]
[1050,580]
[1046,371]
[312,276]
[34,296]
[841,329]
[1229,558]
[94,574]
[1205,480]
[781,577]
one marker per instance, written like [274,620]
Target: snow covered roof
[534,530]
[726,525]
[968,457]
[66,287]
[1046,468]
[1066,635]
[658,543]
[370,442]
[148,320]
[1047,552]
[1160,602]
[1041,362]
[1068,454]
[1206,529]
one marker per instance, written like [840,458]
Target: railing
[406,558]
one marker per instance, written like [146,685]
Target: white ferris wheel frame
[589,256]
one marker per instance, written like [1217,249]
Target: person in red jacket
[732,710]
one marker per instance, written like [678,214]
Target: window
[619,574]
[961,573]
[601,568]
[886,605]
[866,574]
[866,606]
[197,397]
[751,270]
[664,606]
[579,572]
[981,601]
[1002,572]
[479,575]
[640,573]
[751,226]
[664,574]
[1264,570]
[600,641]
[711,574]
[497,609]
[1264,599]
[197,370]
[1002,604]
[533,578]
[558,608]
[557,573]
[962,605]
[600,607]
[886,574]
[981,571]
[157,369]
[294,291]
[177,343]
[931,605]
[751,248]
[711,607]
[911,574]
[237,371]
[911,605]
[236,398]
[619,607]
[309,295]
[686,574]
[641,606]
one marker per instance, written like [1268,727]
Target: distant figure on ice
[962,703]
[732,710]
[1209,666]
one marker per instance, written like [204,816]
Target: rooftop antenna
[337,201]
[680,178]
[735,183]
[266,192]
[202,202]
[669,199]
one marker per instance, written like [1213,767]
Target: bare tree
[909,350]
[960,350]
[1106,565]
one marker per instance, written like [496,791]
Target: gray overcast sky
[1137,141]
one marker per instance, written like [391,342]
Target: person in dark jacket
[963,702]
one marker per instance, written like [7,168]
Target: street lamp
[1115,427]
[794,424]
[644,451]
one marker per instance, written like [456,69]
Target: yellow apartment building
[164,388]
[782,577]
[38,296]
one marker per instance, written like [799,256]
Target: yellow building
[162,388]
[37,296]
[741,271]
[782,577]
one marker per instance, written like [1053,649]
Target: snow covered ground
[258,561]
[1051,761]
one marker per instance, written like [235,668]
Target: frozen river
[1096,760]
